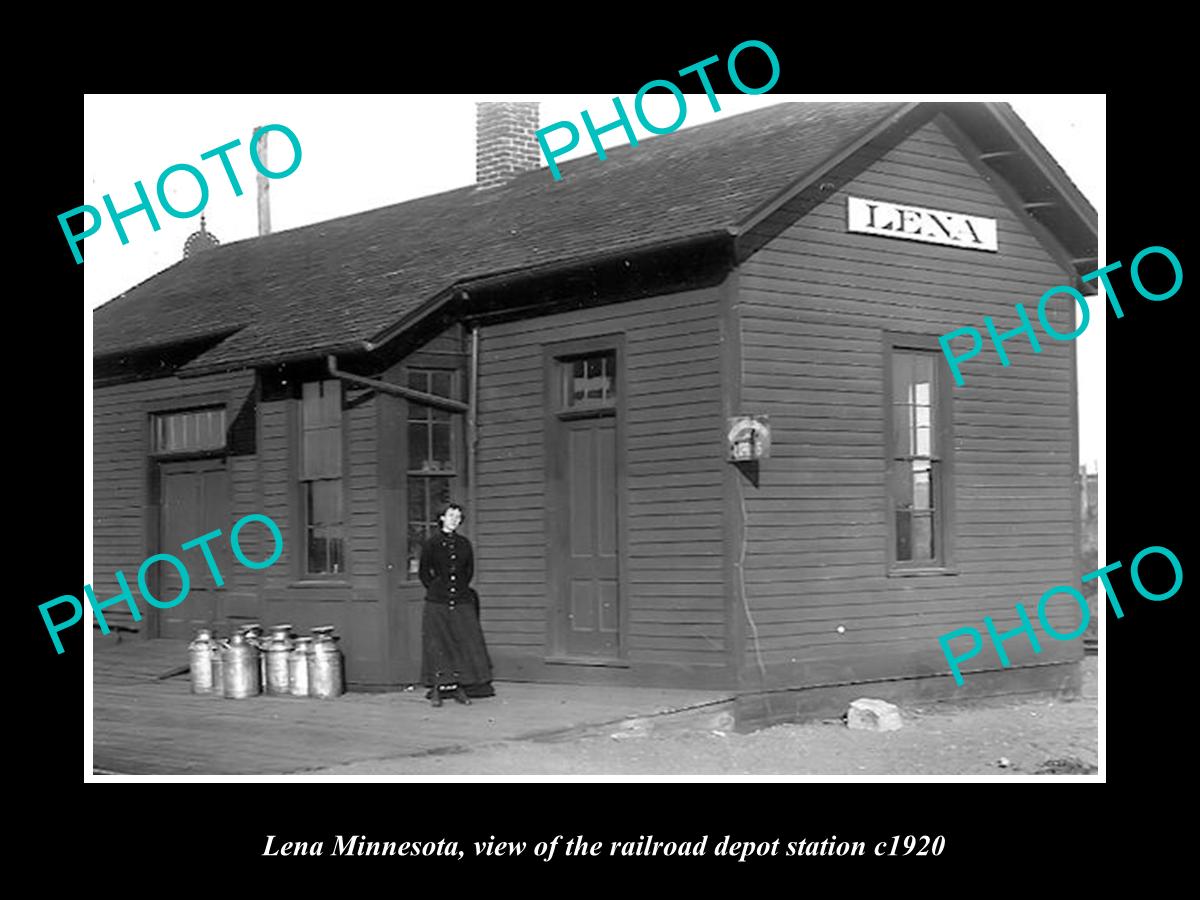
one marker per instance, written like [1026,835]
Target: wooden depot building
[691,397]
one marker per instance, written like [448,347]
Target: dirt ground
[1032,736]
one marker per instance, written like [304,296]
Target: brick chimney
[505,145]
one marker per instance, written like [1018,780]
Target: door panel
[195,501]
[592,621]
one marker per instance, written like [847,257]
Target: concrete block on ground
[873,715]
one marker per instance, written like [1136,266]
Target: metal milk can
[277,649]
[218,667]
[254,633]
[325,665]
[200,662]
[298,667]
[242,672]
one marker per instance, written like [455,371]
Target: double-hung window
[919,441]
[321,477]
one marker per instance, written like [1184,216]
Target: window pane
[416,538]
[416,501]
[902,436]
[902,377]
[426,495]
[903,535]
[900,481]
[922,364]
[418,380]
[325,507]
[439,494]
[418,446]
[591,380]
[922,537]
[575,390]
[441,384]
[323,511]
[441,445]
[924,444]
[318,551]
[337,562]
[922,481]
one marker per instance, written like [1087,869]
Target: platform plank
[143,725]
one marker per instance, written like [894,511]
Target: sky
[362,152]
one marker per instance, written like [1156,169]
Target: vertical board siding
[814,304]
[122,508]
[673,476]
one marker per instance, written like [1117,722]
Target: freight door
[195,501]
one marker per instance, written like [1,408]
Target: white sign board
[916,223]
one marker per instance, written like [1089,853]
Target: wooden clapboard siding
[349,602]
[275,461]
[364,552]
[673,470]
[812,307]
[125,514]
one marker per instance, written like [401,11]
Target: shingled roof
[332,286]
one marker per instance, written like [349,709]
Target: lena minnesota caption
[645,845]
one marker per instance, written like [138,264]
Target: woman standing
[454,658]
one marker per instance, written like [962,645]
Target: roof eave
[463,287]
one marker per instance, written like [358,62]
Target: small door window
[590,381]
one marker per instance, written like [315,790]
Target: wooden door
[589,595]
[195,501]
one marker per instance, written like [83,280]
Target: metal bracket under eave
[455,406]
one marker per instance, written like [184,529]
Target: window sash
[426,492]
[916,483]
[590,381]
[431,445]
[324,527]
[320,474]
[431,463]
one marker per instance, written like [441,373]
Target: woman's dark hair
[446,507]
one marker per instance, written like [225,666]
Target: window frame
[943,495]
[194,453]
[303,488]
[566,365]
[455,474]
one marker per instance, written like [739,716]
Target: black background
[991,835]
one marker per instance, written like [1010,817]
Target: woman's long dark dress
[452,646]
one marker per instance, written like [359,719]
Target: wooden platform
[143,725]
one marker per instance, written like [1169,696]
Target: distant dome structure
[199,241]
